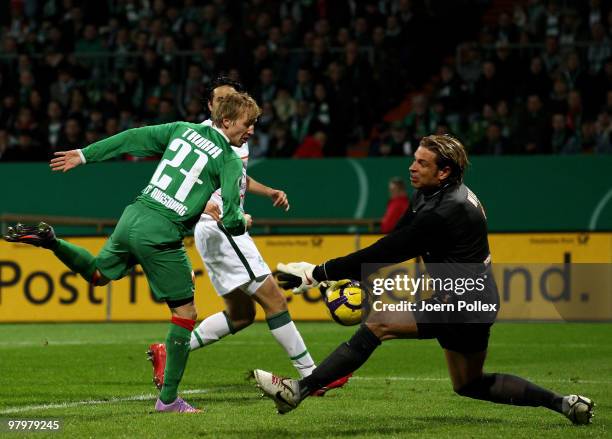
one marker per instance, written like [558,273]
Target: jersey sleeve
[400,245]
[231,176]
[140,142]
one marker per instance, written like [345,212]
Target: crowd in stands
[325,73]
[539,81]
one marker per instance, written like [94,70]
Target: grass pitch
[94,378]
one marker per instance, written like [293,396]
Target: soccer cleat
[157,356]
[333,385]
[578,409]
[179,406]
[41,235]
[285,392]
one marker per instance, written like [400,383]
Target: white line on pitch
[542,380]
[69,404]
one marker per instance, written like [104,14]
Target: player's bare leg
[468,378]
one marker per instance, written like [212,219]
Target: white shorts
[232,262]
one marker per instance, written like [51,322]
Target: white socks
[284,331]
[217,326]
[211,329]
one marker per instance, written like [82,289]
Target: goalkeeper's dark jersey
[445,226]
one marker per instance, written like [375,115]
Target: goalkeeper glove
[296,275]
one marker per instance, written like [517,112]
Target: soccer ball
[344,301]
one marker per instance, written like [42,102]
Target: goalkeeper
[446,225]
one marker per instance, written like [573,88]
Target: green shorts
[145,237]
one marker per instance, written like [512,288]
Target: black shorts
[466,338]
[466,333]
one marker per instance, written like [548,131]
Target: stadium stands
[333,77]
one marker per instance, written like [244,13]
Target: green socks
[177,352]
[76,258]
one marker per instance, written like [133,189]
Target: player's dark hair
[220,81]
[449,152]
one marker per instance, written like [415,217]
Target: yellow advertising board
[35,286]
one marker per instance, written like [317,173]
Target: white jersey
[242,152]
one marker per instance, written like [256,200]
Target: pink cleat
[179,406]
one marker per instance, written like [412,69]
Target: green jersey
[196,161]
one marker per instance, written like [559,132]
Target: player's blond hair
[234,106]
[449,152]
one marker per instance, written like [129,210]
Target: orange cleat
[157,356]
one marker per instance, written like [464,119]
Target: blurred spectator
[504,119]
[396,206]
[4,144]
[536,80]
[166,112]
[60,90]
[506,30]
[53,125]
[531,131]
[563,140]
[394,143]
[321,110]
[265,91]
[282,144]
[259,143]
[194,112]
[489,88]
[557,101]
[569,29]
[588,137]
[601,82]
[284,105]
[267,117]
[312,146]
[469,67]
[536,13]
[26,86]
[493,143]
[551,56]
[303,90]
[480,124]
[574,113]
[420,121]
[8,111]
[553,19]
[603,132]
[72,136]
[77,106]
[572,72]
[450,91]
[131,89]
[301,123]
[599,49]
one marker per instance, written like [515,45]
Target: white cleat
[578,409]
[285,392]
